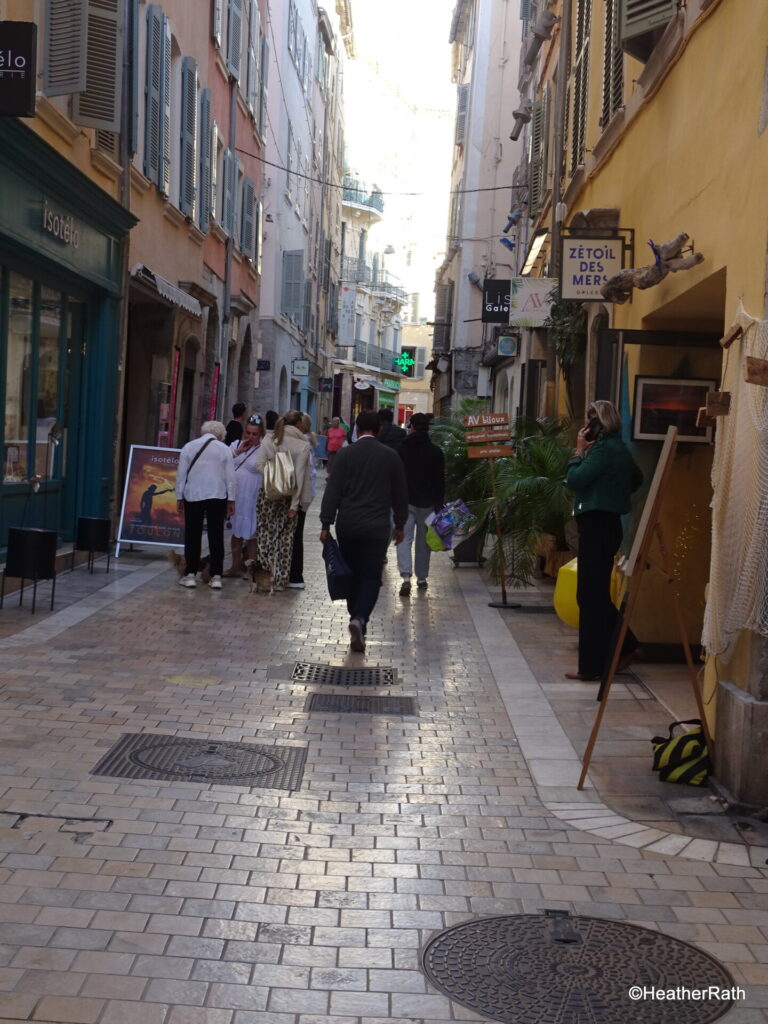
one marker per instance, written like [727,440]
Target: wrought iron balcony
[358,192]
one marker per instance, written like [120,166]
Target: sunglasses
[255,421]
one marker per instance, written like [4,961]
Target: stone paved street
[136,901]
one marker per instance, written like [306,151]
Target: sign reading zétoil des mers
[18,68]
[587,264]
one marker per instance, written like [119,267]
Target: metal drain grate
[334,675]
[151,756]
[360,704]
[557,969]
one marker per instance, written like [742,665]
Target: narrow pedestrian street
[128,900]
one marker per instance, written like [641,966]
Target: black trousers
[296,574]
[600,535]
[215,512]
[365,557]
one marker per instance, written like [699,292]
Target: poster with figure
[149,515]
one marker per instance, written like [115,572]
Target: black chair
[31,556]
[92,535]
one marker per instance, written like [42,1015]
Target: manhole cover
[557,969]
[360,704]
[151,756]
[333,675]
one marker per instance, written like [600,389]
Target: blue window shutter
[66,34]
[188,175]
[205,186]
[306,317]
[254,54]
[263,92]
[164,181]
[99,105]
[152,91]
[247,218]
[292,304]
[226,197]
[234,36]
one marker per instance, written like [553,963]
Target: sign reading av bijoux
[496,302]
[18,68]
[587,264]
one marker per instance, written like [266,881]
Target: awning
[176,296]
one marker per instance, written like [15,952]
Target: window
[537,168]
[206,161]
[292,299]
[157,119]
[188,162]
[462,106]
[230,176]
[264,66]
[18,379]
[234,37]
[47,404]
[247,219]
[613,64]
[642,24]
[580,81]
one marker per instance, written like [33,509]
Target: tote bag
[279,476]
[337,572]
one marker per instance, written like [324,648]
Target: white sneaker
[215,583]
[188,580]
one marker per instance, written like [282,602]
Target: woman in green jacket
[603,475]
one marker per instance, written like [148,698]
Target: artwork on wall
[662,402]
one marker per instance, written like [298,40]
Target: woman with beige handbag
[283,459]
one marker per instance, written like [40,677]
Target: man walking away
[425,475]
[205,486]
[235,427]
[366,488]
[389,434]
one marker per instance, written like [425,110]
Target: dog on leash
[179,563]
[261,581]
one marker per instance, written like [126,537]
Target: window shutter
[263,85]
[229,200]
[66,24]
[234,36]
[152,91]
[462,104]
[535,172]
[204,161]
[214,168]
[254,52]
[188,175]
[307,317]
[641,24]
[164,183]
[418,370]
[247,218]
[443,303]
[613,64]
[133,123]
[580,83]
[525,10]
[216,25]
[98,106]
[293,284]
[258,236]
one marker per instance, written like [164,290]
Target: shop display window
[49,348]
[18,379]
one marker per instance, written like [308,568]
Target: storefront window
[48,427]
[17,380]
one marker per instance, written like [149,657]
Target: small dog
[179,563]
[261,581]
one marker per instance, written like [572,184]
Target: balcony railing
[356,270]
[372,356]
[356,191]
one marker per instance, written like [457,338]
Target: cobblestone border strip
[538,729]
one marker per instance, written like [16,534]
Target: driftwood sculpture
[668,259]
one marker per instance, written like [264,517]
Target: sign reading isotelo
[18,68]
[587,264]
[496,302]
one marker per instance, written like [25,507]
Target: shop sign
[391,385]
[149,514]
[262,365]
[18,68]
[325,384]
[496,299]
[529,301]
[60,225]
[487,419]
[495,451]
[587,264]
[300,368]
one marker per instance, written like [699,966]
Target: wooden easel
[639,561]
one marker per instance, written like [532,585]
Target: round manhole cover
[534,969]
[212,761]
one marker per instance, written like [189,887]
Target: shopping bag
[683,758]
[279,476]
[337,573]
[434,541]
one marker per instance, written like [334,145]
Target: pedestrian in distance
[365,493]
[425,475]
[603,475]
[389,433]
[205,488]
[296,574]
[270,419]
[236,424]
[336,435]
[277,518]
[243,523]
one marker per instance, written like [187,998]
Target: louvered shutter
[204,161]
[152,93]
[99,105]
[613,64]
[307,318]
[535,167]
[214,168]
[641,24]
[133,120]
[234,36]
[229,199]
[164,182]
[293,284]
[580,83]
[525,10]
[254,52]
[66,24]
[263,92]
[216,24]
[546,131]
[258,236]
[247,218]
[188,172]
[462,105]
[418,370]
[441,336]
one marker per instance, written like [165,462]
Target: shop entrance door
[74,429]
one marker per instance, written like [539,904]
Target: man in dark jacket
[235,426]
[365,491]
[425,475]
[390,434]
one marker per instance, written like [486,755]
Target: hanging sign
[487,419]
[529,301]
[300,368]
[18,68]
[494,451]
[262,365]
[325,384]
[587,264]
[496,299]
[485,436]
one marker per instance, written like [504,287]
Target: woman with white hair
[205,487]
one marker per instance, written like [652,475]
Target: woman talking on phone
[602,474]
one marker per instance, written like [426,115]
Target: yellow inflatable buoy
[565,602]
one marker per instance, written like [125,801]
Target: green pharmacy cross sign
[404,362]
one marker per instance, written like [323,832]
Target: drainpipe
[229,252]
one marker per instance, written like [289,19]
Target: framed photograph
[662,402]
